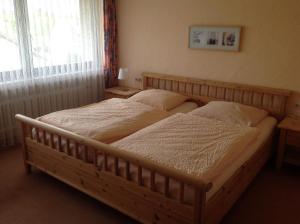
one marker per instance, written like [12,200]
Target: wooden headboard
[270,99]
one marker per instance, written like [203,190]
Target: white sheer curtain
[51,54]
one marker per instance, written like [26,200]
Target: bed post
[24,148]
[199,205]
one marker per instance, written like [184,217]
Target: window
[9,44]
[49,37]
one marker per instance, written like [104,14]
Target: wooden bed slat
[152,180]
[95,157]
[85,154]
[181,192]
[30,131]
[37,130]
[59,144]
[140,175]
[166,186]
[105,162]
[77,150]
[127,170]
[44,137]
[52,144]
[68,147]
[116,166]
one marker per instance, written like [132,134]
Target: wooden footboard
[95,168]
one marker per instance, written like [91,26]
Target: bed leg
[199,205]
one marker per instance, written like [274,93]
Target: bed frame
[115,185]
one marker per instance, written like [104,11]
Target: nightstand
[120,92]
[289,142]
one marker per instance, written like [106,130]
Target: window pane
[9,45]
[56,32]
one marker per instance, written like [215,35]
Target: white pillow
[231,112]
[160,99]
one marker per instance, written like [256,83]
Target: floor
[273,197]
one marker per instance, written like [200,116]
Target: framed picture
[215,37]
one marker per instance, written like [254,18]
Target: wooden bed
[134,198]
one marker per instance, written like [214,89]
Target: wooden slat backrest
[270,99]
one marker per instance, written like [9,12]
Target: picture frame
[226,38]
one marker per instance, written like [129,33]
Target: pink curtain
[110,43]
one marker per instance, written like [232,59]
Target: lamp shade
[122,73]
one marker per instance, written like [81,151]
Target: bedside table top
[122,90]
[290,123]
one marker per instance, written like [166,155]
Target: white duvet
[195,145]
[106,121]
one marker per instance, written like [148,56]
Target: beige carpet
[38,198]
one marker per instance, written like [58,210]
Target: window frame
[28,70]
